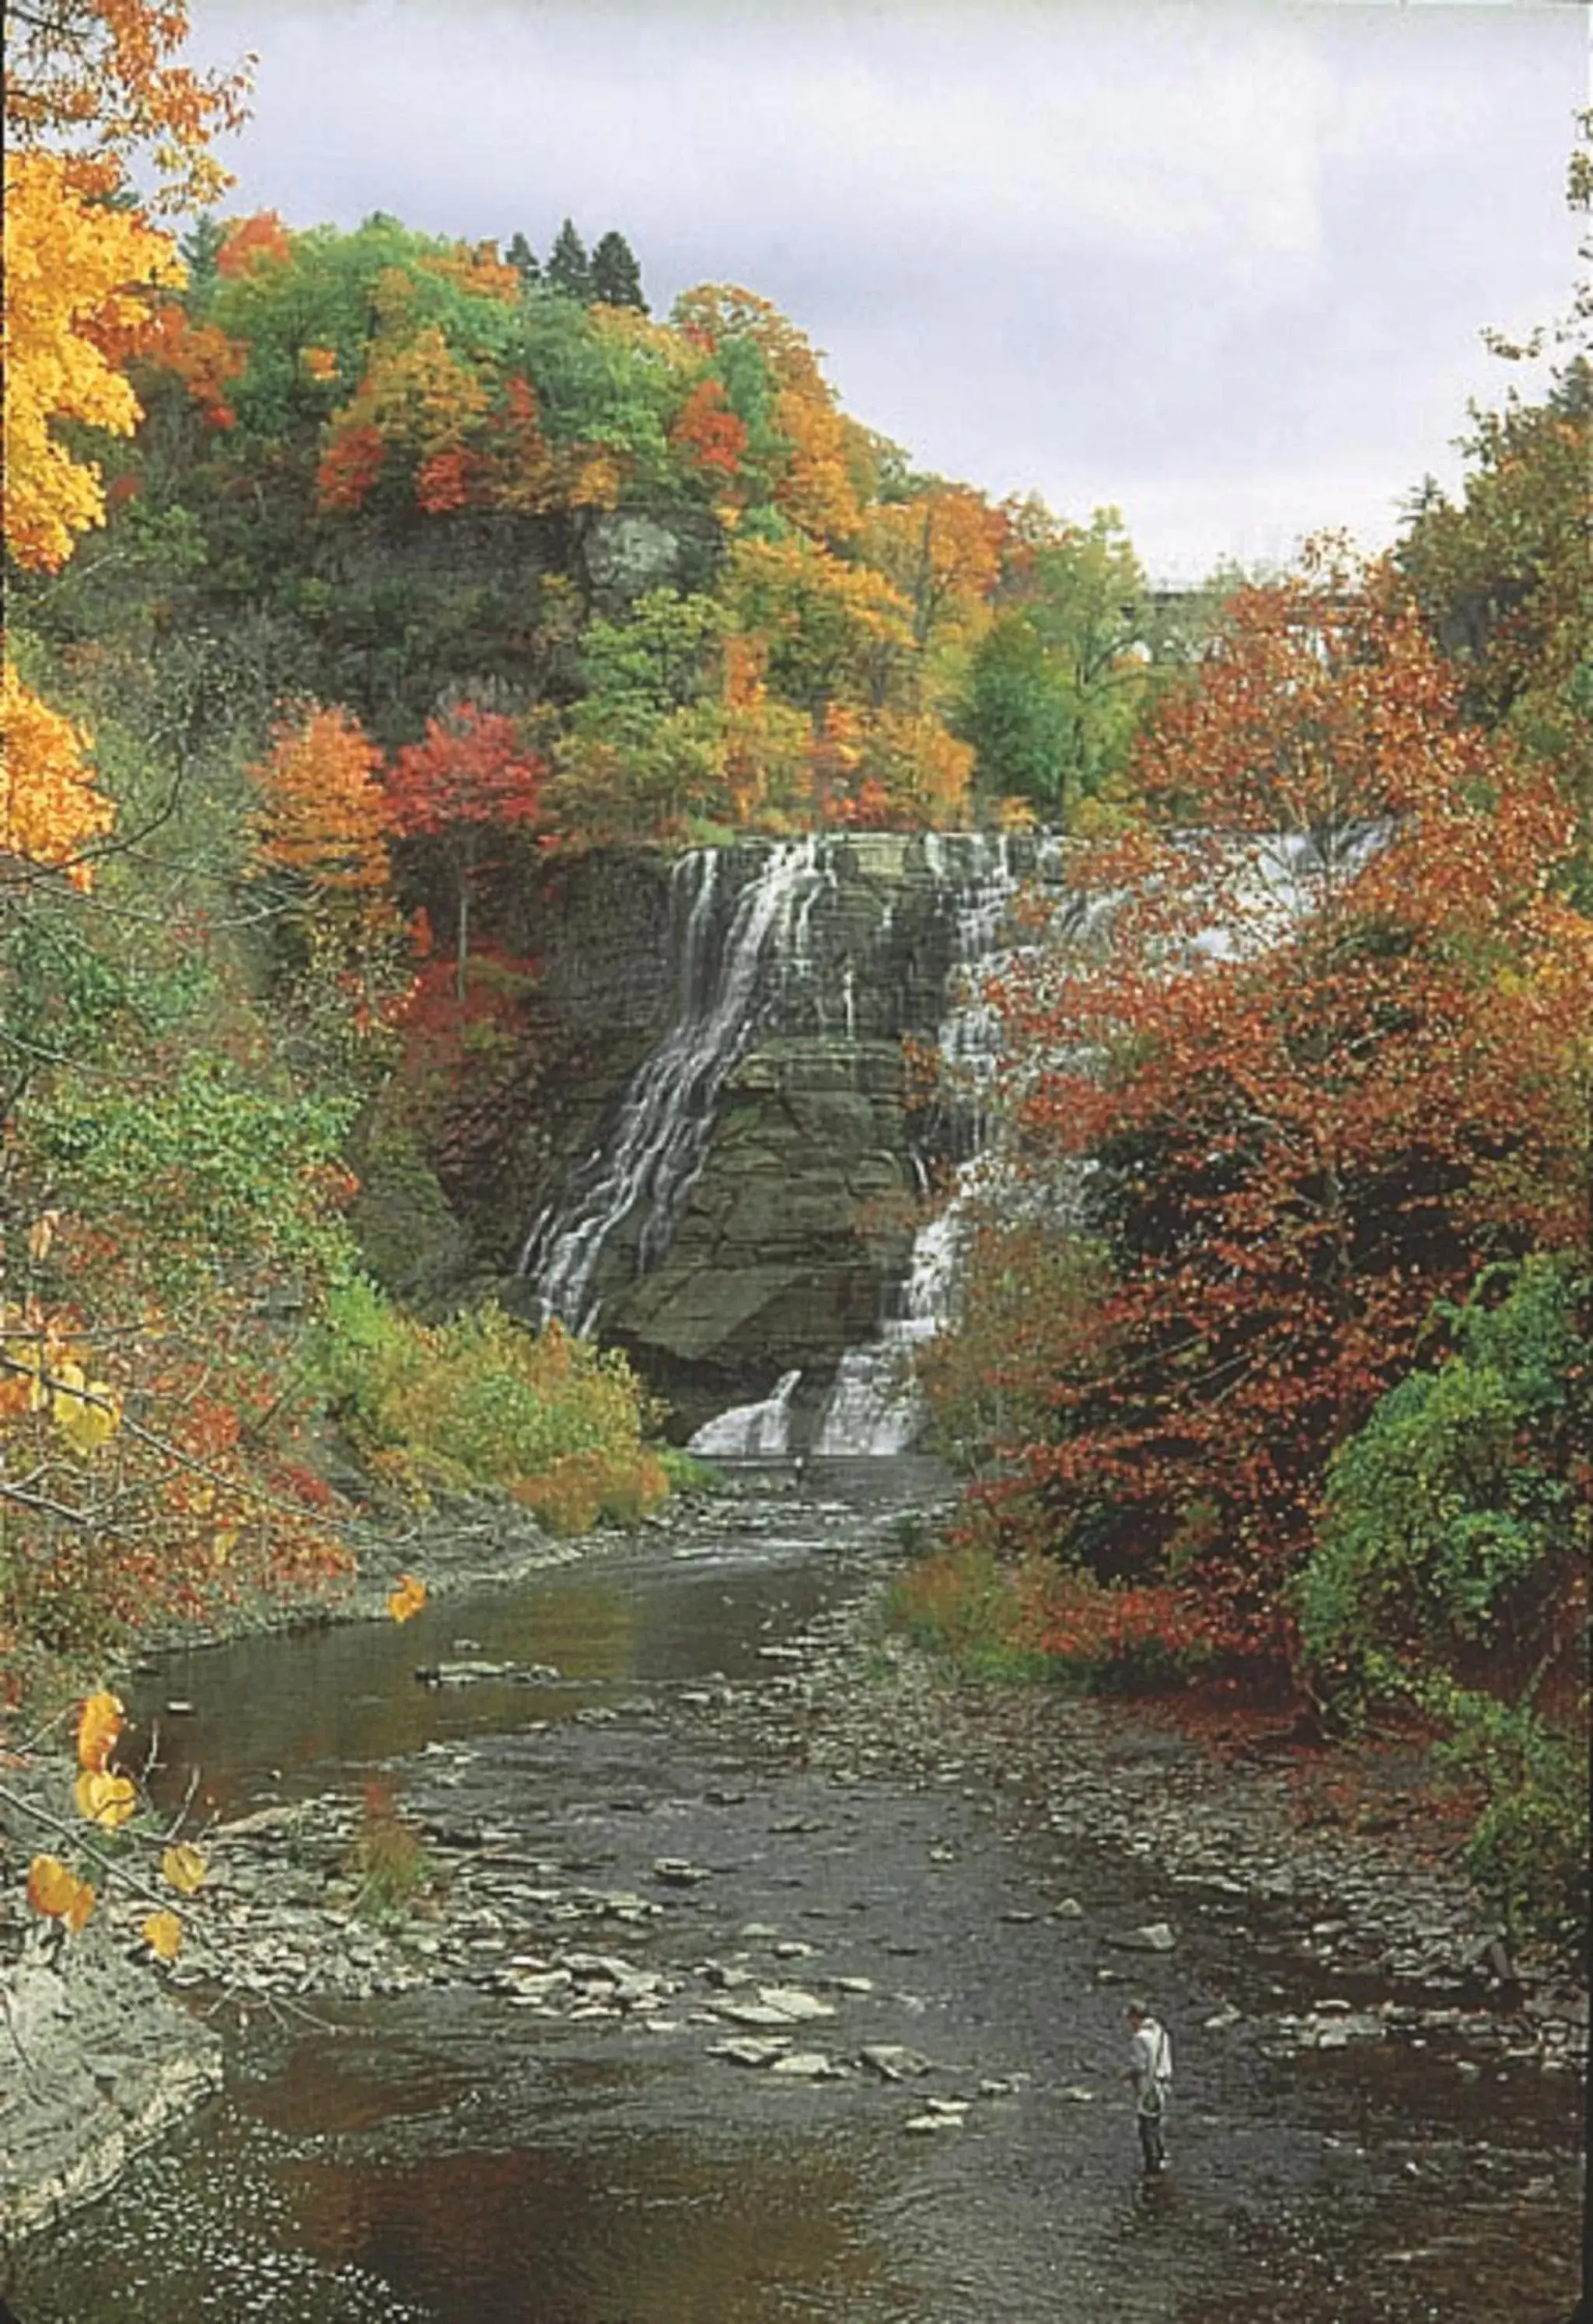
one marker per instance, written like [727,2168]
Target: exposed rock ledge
[99,2064]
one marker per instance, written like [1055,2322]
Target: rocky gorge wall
[715,1157]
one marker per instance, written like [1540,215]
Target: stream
[453,2153]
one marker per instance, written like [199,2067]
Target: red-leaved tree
[472,776]
[1326,1050]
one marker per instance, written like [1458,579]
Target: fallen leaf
[407,1598]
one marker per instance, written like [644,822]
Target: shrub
[387,1858]
[1459,1517]
[484,1400]
[1528,1850]
[962,1601]
[1451,1573]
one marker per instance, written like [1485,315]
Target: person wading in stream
[1150,2070]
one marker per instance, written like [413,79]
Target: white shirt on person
[1150,2058]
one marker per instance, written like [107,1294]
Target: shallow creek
[451,2155]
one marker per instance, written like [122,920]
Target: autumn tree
[98,83]
[1503,575]
[472,775]
[1332,1052]
[90,85]
[75,272]
[773,380]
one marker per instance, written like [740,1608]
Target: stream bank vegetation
[1274,1369]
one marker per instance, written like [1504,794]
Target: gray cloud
[1224,266]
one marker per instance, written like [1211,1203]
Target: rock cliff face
[720,1159]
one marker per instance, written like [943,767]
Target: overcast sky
[1225,266]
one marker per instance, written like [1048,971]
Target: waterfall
[750,1432]
[727,942]
[875,1407]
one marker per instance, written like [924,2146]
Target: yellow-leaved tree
[80,275]
[89,85]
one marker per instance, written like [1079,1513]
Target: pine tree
[569,268]
[617,279]
[201,246]
[521,256]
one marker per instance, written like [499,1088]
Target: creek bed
[494,2144]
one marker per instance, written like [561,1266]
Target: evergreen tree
[569,268]
[617,279]
[521,256]
[200,247]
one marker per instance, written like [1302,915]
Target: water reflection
[276,1716]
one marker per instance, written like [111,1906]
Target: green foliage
[964,1603]
[1456,1517]
[1016,713]
[616,278]
[1529,1850]
[485,1401]
[642,669]
[687,1473]
[199,1177]
[1056,688]
[519,254]
[570,269]
[1451,1574]
[388,1861]
[1505,577]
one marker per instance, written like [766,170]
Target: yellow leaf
[225,1543]
[184,1868]
[407,1598]
[105,1799]
[86,1412]
[162,1932]
[51,1886]
[41,1234]
[57,1893]
[98,1724]
[66,1382]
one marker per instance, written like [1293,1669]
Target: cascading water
[737,948]
[788,942]
[876,1406]
[750,1432]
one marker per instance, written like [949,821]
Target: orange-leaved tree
[324,815]
[1323,1049]
[99,82]
[321,830]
